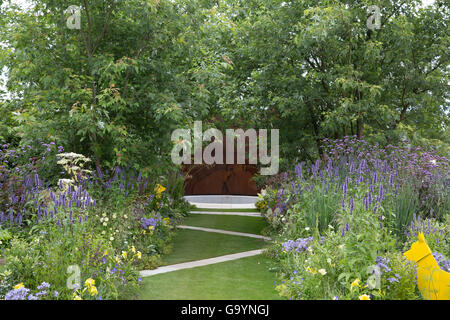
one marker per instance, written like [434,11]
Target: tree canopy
[136,70]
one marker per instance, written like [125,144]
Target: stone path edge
[200,263]
[233,233]
[248,214]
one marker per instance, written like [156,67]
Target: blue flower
[44,285]
[17,294]
[392,279]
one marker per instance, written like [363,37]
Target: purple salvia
[352,205]
[391,179]
[375,208]
[374,177]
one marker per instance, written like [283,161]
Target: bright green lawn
[246,279]
[190,245]
[226,222]
[224,210]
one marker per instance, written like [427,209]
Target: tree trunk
[360,127]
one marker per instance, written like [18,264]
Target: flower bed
[85,237]
[343,223]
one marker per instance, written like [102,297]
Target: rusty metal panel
[227,179]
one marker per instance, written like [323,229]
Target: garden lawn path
[216,255]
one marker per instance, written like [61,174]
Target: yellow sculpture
[433,282]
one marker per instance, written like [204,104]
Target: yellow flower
[118,259]
[364,297]
[89,282]
[93,291]
[158,190]
[311,270]
[133,249]
[19,285]
[124,254]
[354,283]
[166,220]
[105,253]
[77,297]
[139,255]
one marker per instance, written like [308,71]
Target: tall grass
[404,206]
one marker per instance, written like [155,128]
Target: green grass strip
[225,210]
[230,223]
[191,245]
[243,279]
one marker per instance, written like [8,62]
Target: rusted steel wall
[227,179]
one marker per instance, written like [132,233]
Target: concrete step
[248,214]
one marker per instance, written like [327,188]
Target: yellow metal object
[433,282]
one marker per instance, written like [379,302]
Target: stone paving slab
[200,263]
[234,233]
[222,201]
[248,214]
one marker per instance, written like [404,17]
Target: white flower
[307,228]
[329,260]
[106,219]
[125,216]
[309,249]
[103,232]
[105,224]
[101,124]
[330,226]
[322,271]
[111,238]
